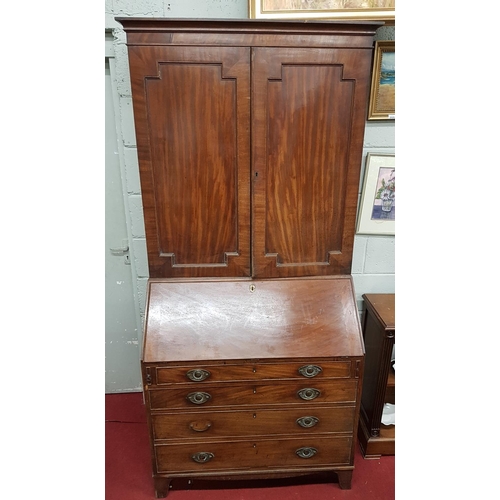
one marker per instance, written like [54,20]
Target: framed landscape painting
[382,104]
[361,10]
[377,211]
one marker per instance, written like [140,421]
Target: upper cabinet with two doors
[249,137]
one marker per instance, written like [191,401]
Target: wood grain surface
[224,320]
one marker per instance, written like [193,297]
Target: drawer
[334,391]
[201,373]
[221,424]
[256,455]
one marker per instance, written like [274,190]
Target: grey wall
[373,263]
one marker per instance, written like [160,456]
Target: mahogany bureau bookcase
[249,138]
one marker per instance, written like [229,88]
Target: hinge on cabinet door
[148,376]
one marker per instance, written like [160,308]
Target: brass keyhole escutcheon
[252,288]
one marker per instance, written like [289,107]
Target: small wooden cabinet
[379,334]
[252,378]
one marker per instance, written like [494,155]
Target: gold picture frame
[382,104]
[346,10]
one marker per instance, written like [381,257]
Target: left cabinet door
[192,122]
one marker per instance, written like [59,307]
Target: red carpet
[128,468]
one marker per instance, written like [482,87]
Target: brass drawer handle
[195,426]
[308,394]
[198,398]
[306,452]
[197,375]
[310,371]
[202,457]
[307,422]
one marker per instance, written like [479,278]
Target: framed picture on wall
[382,105]
[377,210]
[379,10]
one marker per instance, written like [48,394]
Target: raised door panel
[308,120]
[192,118]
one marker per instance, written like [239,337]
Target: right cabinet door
[308,117]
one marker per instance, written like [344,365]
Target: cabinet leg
[345,477]
[162,485]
